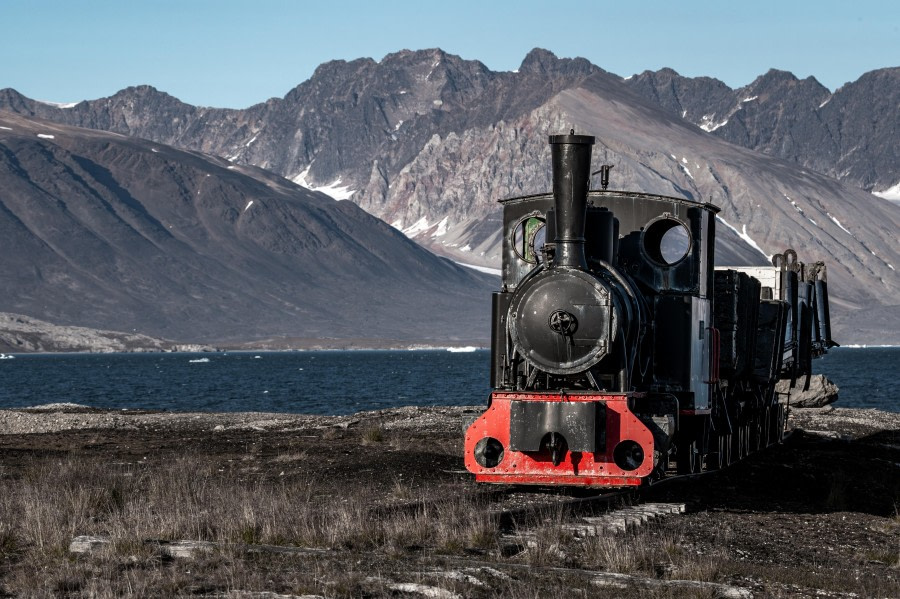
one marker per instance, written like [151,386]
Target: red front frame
[583,469]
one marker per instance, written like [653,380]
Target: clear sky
[232,53]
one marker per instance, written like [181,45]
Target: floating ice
[199,361]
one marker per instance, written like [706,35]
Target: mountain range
[111,232]
[428,142]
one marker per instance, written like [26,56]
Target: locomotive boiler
[618,352]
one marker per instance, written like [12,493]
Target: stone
[821,392]
[87,544]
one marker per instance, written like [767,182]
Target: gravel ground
[814,516]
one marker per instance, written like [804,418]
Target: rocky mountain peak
[784,87]
[544,62]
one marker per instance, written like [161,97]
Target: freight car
[619,353]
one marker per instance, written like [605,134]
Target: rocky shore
[20,333]
[377,504]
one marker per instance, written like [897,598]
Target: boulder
[821,392]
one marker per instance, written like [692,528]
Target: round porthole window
[529,237]
[667,241]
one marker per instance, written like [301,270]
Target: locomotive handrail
[714,355]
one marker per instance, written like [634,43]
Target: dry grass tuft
[137,504]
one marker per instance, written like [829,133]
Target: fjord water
[310,382]
[330,382]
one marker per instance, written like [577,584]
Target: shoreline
[62,417]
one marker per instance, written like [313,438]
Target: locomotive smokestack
[571,179]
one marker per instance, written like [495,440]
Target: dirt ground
[814,516]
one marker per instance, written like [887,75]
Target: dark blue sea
[330,382]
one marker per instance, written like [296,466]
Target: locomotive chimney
[571,178]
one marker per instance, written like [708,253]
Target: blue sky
[233,53]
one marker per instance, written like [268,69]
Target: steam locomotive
[619,354]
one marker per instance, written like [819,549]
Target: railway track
[611,512]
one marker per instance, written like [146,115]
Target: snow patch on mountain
[743,235]
[484,269]
[58,104]
[892,193]
[334,189]
[838,223]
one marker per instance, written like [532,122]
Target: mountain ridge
[428,141]
[121,233]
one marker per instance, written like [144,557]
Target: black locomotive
[617,348]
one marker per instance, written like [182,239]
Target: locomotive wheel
[715,460]
[756,439]
[778,418]
[739,444]
[688,459]
[747,432]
